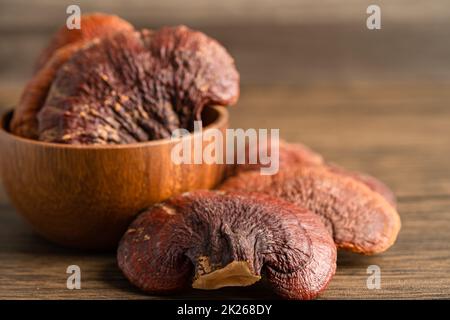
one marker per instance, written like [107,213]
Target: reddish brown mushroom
[63,45]
[370,181]
[217,239]
[292,154]
[289,154]
[359,219]
[92,25]
[137,86]
[109,84]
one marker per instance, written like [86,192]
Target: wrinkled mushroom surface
[92,25]
[62,46]
[137,86]
[360,219]
[292,154]
[288,154]
[371,182]
[211,239]
[109,84]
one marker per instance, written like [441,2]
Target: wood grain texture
[283,42]
[295,54]
[44,14]
[369,101]
[397,133]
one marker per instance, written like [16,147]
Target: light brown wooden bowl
[86,196]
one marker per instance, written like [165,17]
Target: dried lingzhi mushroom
[360,219]
[137,86]
[63,45]
[288,154]
[124,86]
[211,239]
[371,182]
[294,154]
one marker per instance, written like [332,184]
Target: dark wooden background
[375,101]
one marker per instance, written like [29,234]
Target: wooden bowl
[86,196]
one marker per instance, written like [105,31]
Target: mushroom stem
[234,274]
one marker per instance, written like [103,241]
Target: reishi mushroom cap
[61,48]
[293,154]
[137,86]
[92,25]
[109,84]
[214,239]
[360,219]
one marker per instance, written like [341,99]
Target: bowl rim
[221,121]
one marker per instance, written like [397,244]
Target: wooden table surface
[374,101]
[399,133]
